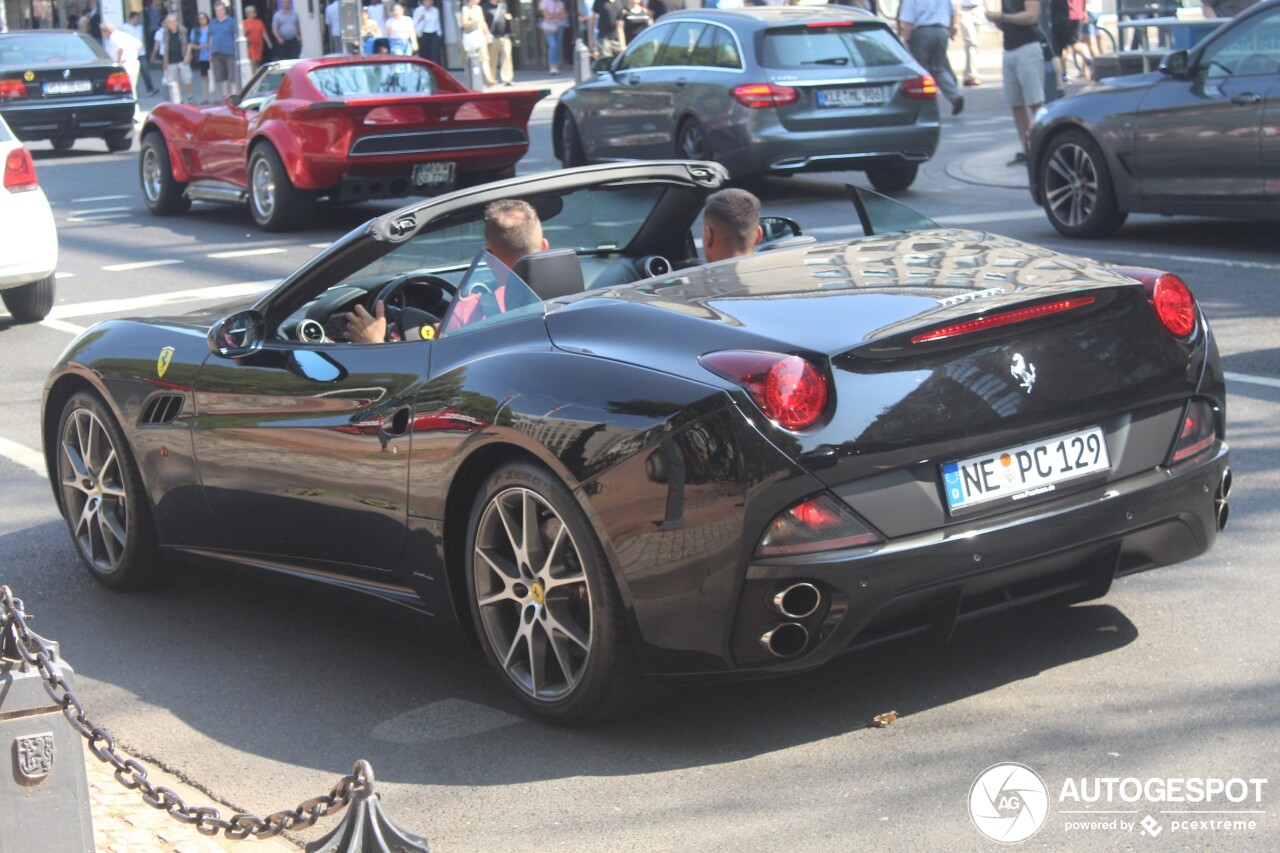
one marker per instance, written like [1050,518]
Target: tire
[692,142]
[1076,189]
[103,500]
[62,143]
[893,177]
[275,203]
[30,303]
[556,633]
[571,153]
[161,193]
[118,141]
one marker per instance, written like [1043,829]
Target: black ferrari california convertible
[618,465]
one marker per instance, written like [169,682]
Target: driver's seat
[551,274]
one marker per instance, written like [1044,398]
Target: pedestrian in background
[333,26]
[636,21]
[927,26]
[255,36]
[607,30]
[287,30]
[555,17]
[198,57]
[222,51]
[500,52]
[430,30]
[1023,72]
[134,28]
[171,44]
[122,48]
[401,36]
[970,18]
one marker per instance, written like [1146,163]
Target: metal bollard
[175,91]
[44,795]
[475,73]
[582,72]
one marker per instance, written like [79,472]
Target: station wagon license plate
[1025,471]
[433,174]
[852,97]
[68,87]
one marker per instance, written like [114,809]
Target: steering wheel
[402,318]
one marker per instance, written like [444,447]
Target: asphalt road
[262,695]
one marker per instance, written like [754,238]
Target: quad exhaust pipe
[786,640]
[797,601]
[1220,509]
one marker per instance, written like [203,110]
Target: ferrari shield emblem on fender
[162,363]
[33,756]
[1023,371]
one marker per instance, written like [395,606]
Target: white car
[30,253]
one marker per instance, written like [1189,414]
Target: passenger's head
[512,230]
[730,224]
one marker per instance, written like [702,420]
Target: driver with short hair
[512,230]
[730,225]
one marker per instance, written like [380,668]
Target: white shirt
[124,46]
[427,20]
[134,30]
[925,13]
[332,18]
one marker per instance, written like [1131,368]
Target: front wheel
[103,500]
[30,303]
[692,142]
[161,193]
[893,177]
[276,204]
[544,601]
[1076,189]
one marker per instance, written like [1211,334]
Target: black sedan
[763,91]
[618,465]
[62,86]
[1197,137]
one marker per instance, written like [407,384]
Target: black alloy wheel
[692,142]
[571,153]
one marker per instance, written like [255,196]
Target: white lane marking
[1252,380]
[98,217]
[140,265]
[319,245]
[64,275]
[1196,259]
[24,456]
[97,210]
[448,718]
[98,198]
[246,253]
[59,326]
[137,303]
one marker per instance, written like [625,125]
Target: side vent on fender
[161,409]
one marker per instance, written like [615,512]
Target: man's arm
[365,329]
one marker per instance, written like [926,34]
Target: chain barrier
[20,642]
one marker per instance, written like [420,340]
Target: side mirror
[1175,63]
[778,228]
[239,335]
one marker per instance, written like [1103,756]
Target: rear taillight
[788,389]
[12,90]
[820,523]
[119,83]
[921,87]
[760,95]
[1197,433]
[1170,298]
[19,171]
[1004,318]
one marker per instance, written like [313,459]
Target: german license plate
[1025,471]
[68,87]
[433,174]
[853,97]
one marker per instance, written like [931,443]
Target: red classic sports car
[347,127]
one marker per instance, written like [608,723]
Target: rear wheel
[692,142]
[571,153]
[62,143]
[103,499]
[30,303]
[161,193]
[276,204]
[544,600]
[119,140]
[1076,189]
[893,177]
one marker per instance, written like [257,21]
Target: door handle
[680,81]
[1246,100]
[633,80]
[395,424]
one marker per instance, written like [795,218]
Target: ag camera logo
[1008,803]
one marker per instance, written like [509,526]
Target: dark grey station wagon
[761,90]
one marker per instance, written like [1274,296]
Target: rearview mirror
[1175,64]
[778,228]
[239,335]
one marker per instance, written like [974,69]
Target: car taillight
[820,523]
[760,95]
[20,171]
[12,90]
[1170,298]
[922,87]
[788,389]
[119,82]
[1197,433]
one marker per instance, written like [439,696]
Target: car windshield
[869,45]
[373,78]
[49,49]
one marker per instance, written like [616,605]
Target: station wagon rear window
[49,49]
[868,45]
[373,78]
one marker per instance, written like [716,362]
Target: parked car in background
[30,239]
[1197,137]
[348,128]
[761,90]
[617,462]
[62,86]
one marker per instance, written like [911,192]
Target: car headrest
[551,274]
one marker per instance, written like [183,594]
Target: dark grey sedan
[762,90]
[1198,137]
